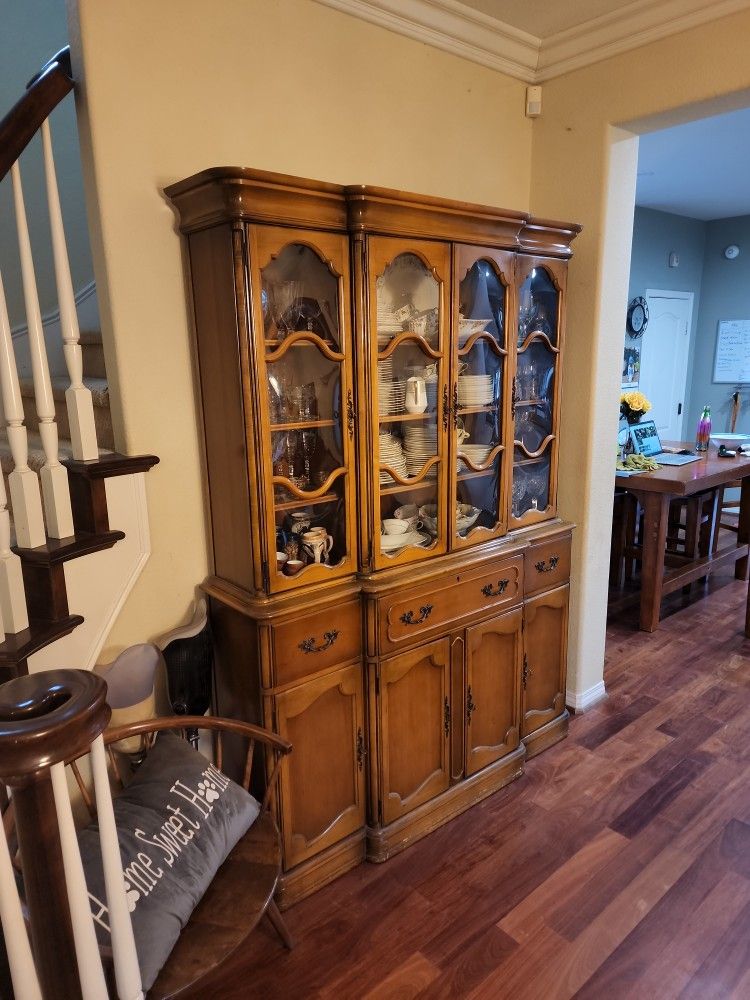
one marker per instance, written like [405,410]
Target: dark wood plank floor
[617,867]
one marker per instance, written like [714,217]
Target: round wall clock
[637,317]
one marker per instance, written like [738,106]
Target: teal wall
[31,31]
[725,294]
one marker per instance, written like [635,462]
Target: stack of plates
[475,390]
[468,327]
[385,370]
[420,445]
[388,326]
[391,397]
[392,453]
[476,453]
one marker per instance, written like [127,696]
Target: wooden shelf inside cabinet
[295,504]
[397,418]
[532,461]
[532,402]
[489,408]
[476,475]
[398,488]
[304,425]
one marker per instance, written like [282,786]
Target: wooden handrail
[44,92]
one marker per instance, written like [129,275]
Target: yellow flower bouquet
[633,405]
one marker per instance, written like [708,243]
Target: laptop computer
[645,438]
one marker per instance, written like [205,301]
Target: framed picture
[631,365]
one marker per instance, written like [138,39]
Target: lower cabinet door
[415,727]
[322,781]
[493,678]
[545,659]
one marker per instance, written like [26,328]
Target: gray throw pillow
[177,821]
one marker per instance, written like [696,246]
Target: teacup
[293,566]
[410,514]
[395,526]
[281,558]
[317,547]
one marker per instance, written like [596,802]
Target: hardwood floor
[617,867]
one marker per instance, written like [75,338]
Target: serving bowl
[730,440]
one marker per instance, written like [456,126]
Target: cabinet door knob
[446,718]
[308,645]
[361,752]
[424,613]
[350,413]
[547,567]
[470,706]
[488,590]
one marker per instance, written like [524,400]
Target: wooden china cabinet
[380,377]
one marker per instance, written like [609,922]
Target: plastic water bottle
[703,433]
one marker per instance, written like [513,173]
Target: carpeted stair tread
[99,388]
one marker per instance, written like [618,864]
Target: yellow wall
[585,169]
[175,86]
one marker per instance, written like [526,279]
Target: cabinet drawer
[413,614]
[547,565]
[314,642]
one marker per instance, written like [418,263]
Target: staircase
[56,442]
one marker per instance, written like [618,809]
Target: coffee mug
[318,548]
[300,522]
[293,566]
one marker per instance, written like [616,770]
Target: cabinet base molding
[548,735]
[384,842]
[305,879]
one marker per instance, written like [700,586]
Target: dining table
[655,491]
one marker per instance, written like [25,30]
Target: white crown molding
[465,32]
[640,23]
[452,27]
[52,317]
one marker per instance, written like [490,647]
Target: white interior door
[664,359]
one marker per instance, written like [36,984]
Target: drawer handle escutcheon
[350,414]
[361,752]
[446,718]
[470,705]
[544,567]
[526,670]
[424,613]
[489,592]
[308,645]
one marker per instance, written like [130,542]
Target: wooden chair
[210,948]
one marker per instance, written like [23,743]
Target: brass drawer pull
[470,706]
[544,567]
[361,752]
[489,592]
[446,718]
[308,645]
[424,613]
[350,413]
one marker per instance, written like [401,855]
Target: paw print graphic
[131,895]
[208,790]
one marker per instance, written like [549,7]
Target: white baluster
[77,396]
[23,482]
[22,971]
[54,476]
[90,970]
[127,973]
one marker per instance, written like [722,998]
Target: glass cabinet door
[408,335]
[535,390]
[300,302]
[483,281]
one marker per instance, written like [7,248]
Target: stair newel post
[23,482]
[46,719]
[54,477]
[77,397]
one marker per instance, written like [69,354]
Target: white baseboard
[579,701]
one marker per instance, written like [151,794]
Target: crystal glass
[538,305]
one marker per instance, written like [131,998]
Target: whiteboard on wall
[732,362]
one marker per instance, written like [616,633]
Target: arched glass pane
[538,306]
[481,303]
[299,292]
